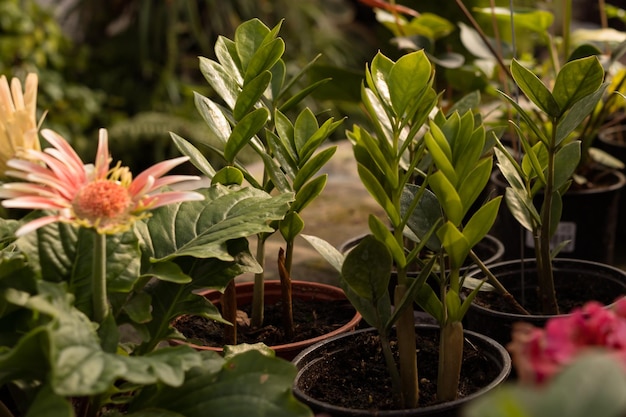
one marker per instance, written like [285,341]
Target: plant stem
[284,266]
[491,278]
[229,311]
[544,262]
[99,275]
[405,329]
[450,360]
[258,293]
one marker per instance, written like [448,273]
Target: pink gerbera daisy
[95,196]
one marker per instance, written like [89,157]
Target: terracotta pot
[303,290]
[310,360]
[588,221]
[603,283]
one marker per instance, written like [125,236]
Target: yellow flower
[18,123]
[95,196]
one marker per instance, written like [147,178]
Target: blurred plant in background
[144,55]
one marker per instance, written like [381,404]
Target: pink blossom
[539,354]
[96,196]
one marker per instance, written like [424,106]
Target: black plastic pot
[309,361]
[613,141]
[600,282]
[589,222]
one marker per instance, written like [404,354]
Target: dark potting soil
[311,319]
[570,294]
[357,377]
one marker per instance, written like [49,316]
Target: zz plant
[250,78]
[547,166]
[426,175]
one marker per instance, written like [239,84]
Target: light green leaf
[408,78]
[195,156]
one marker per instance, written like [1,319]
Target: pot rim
[584,264]
[286,347]
[497,352]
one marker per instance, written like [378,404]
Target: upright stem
[405,328]
[99,283]
[284,268]
[258,294]
[450,360]
[544,262]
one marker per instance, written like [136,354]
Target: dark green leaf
[535,90]
[250,94]
[245,130]
[367,269]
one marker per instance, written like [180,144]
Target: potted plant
[96,270]
[597,180]
[548,167]
[255,100]
[451,160]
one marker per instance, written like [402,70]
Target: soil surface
[570,294]
[357,377]
[311,319]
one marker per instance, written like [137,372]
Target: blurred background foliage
[132,65]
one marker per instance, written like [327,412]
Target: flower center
[102,200]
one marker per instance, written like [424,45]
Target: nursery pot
[588,222]
[302,290]
[576,282]
[613,141]
[316,360]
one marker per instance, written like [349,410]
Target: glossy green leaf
[248,38]
[456,246]
[380,153]
[250,94]
[474,183]
[291,226]
[522,209]
[229,175]
[196,157]
[367,269]
[426,214]
[264,59]
[285,130]
[220,80]
[245,130]
[381,231]
[581,109]
[481,221]
[565,163]
[407,80]
[378,192]
[226,54]
[166,271]
[313,166]
[331,254]
[309,192]
[280,149]
[314,142]
[247,384]
[305,126]
[577,79]
[448,197]
[535,90]
[555,217]
[441,152]
[214,118]
[201,228]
